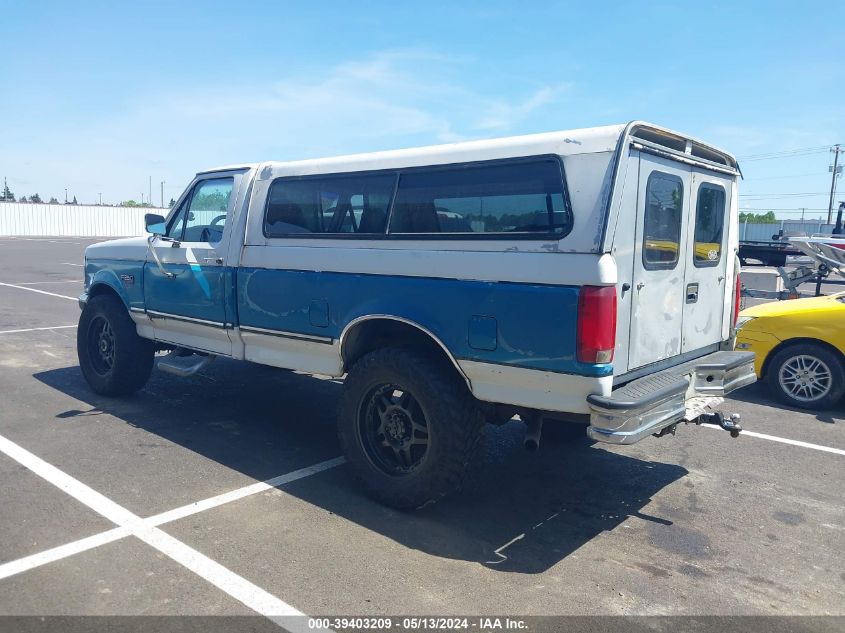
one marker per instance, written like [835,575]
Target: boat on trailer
[827,250]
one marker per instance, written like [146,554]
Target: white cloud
[390,99]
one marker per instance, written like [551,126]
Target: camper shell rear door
[680,263]
[705,281]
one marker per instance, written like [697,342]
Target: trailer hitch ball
[729,424]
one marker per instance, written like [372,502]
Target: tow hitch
[730,424]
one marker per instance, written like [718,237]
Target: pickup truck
[583,279]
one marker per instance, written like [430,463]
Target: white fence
[765,232]
[27,219]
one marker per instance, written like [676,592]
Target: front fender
[125,279]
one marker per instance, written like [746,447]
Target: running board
[169,365]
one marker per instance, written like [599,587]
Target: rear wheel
[806,375]
[113,358]
[408,426]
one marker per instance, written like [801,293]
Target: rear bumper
[650,404]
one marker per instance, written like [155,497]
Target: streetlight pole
[162,194]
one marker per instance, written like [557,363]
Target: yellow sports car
[800,347]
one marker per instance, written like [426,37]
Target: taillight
[737,297]
[596,324]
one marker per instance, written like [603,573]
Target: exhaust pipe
[533,430]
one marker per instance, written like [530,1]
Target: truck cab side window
[177,222]
[662,222]
[207,211]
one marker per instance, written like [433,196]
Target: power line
[781,177]
[803,151]
[786,193]
[783,208]
[771,198]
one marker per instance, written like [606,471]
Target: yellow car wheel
[807,376]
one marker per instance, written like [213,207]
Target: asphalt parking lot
[151,505]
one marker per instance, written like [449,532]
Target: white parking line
[37,329]
[42,292]
[83,545]
[145,529]
[784,440]
[52,240]
[41,283]
[69,264]
[240,493]
[62,551]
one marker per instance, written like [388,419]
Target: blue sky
[97,97]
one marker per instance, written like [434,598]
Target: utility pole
[150,198]
[162,194]
[834,174]
[65,195]
[101,198]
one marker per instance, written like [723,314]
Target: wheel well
[799,341]
[376,333]
[102,289]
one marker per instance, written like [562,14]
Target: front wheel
[114,359]
[807,376]
[408,426]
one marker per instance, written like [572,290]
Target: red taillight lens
[596,324]
[737,297]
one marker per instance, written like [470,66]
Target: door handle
[692,293]
[213,260]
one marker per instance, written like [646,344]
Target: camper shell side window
[339,205]
[524,198]
[511,198]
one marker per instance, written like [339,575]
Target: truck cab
[585,278]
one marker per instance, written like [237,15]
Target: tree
[758,218]
[35,198]
[172,203]
[23,199]
[74,200]
[53,201]
[129,203]
[7,196]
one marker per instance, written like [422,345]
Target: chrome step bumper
[650,404]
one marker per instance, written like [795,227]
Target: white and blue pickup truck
[585,278]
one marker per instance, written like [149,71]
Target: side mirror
[155,224]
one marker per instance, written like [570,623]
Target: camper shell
[582,276]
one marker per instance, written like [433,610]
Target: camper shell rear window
[500,199]
[662,221]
